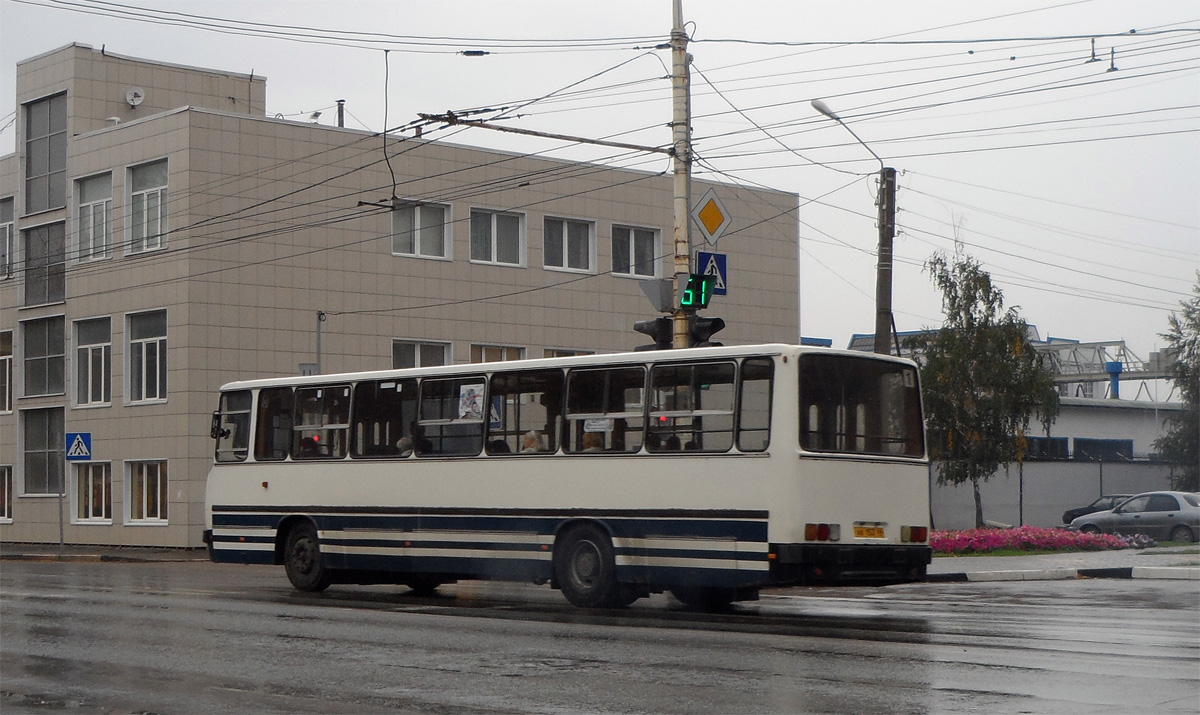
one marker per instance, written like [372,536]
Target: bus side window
[754,405]
[451,417]
[384,411]
[273,430]
[322,422]
[609,405]
[233,426]
[524,411]
[691,407]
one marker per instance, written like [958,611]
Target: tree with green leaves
[1180,446]
[982,379]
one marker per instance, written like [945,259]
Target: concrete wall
[1049,489]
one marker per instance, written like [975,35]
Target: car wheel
[1089,529]
[1182,533]
[302,559]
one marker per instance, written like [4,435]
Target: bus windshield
[855,405]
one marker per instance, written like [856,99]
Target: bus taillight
[918,534]
[822,532]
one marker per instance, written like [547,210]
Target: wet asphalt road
[206,638]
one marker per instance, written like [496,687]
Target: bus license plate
[868,532]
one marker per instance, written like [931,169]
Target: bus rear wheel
[586,570]
[704,598]
[302,559]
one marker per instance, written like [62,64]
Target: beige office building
[161,235]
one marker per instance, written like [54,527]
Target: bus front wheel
[302,559]
[585,568]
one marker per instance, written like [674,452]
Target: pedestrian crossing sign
[79,446]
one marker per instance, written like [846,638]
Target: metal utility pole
[681,143]
[883,269]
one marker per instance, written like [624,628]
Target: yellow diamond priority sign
[712,217]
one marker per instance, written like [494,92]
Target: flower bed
[1029,538]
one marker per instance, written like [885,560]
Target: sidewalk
[84,553]
[1176,562]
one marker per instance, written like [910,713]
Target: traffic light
[701,330]
[661,331]
[698,291]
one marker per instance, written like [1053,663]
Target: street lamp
[887,230]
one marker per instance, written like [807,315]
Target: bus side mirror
[215,430]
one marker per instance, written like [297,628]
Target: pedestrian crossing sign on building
[79,446]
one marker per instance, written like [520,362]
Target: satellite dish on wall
[135,95]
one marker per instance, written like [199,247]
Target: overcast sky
[1077,187]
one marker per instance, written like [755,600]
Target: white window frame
[631,241]
[6,373]
[417,209]
[89,217]
[86,357]
[143,198]
[85,481]
[493,216]
[418,345]
[138,349]
[8,241]
[507,352]
[6,494]
[564,241]
[139,470]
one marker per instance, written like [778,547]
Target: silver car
[1164,516]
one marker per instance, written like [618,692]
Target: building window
[46,154]
[1102,450]
[496,353]
[44,452]
[567,244]
[6,371]
[634,251]
[148,207]
[495,237]
[147,492]
[45,356]
[95,217]
[420,230]
[6,494]
[564,352]
[93,361]
[45,264]
[93,492]
[6,238]
[413,354]
[148,356]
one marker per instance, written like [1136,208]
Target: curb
[97,558]
[1128,572]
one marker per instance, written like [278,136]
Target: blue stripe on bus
[633,524]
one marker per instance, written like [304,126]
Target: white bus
[709,472]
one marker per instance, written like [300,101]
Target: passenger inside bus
[593,441]
[533,441]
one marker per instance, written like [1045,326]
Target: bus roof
[638,357]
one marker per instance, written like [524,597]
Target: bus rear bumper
[848,564]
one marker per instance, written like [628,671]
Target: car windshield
[1192,499]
